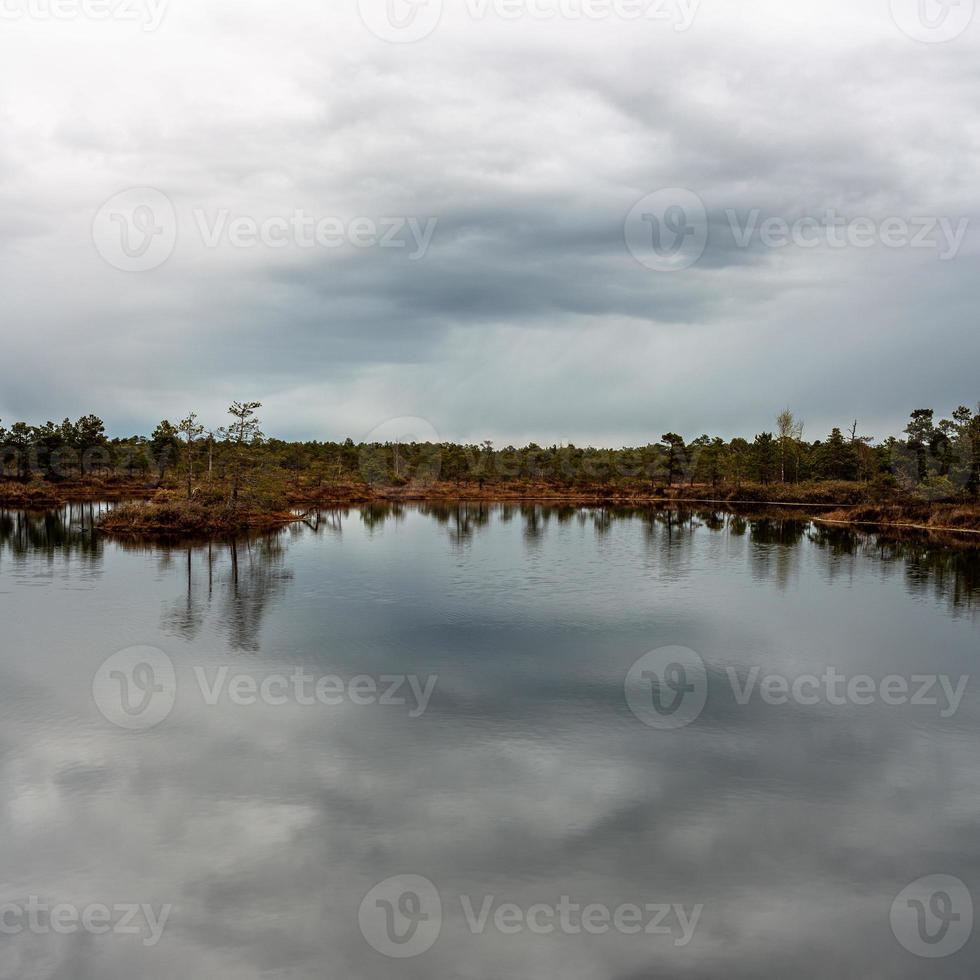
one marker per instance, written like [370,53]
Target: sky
[586,221]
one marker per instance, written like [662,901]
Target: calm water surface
[526,780]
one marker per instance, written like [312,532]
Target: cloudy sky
[579,220]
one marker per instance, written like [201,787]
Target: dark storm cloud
[528,144]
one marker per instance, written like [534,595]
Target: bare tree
[798,439]
[242,433]
[785,426]
[190,430]
[210,454]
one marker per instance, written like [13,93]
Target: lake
[488,741]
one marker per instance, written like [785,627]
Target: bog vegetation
[233,474]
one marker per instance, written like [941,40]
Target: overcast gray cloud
[520,145]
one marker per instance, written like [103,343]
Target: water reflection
[69,530]
[236,580]
[948,566]
[252,571]
[461,520]
[527,779]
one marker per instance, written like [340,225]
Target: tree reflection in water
[239,579]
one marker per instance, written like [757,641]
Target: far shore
[148,510]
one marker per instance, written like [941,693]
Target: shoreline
[178,518]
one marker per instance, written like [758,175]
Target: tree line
[936,458]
